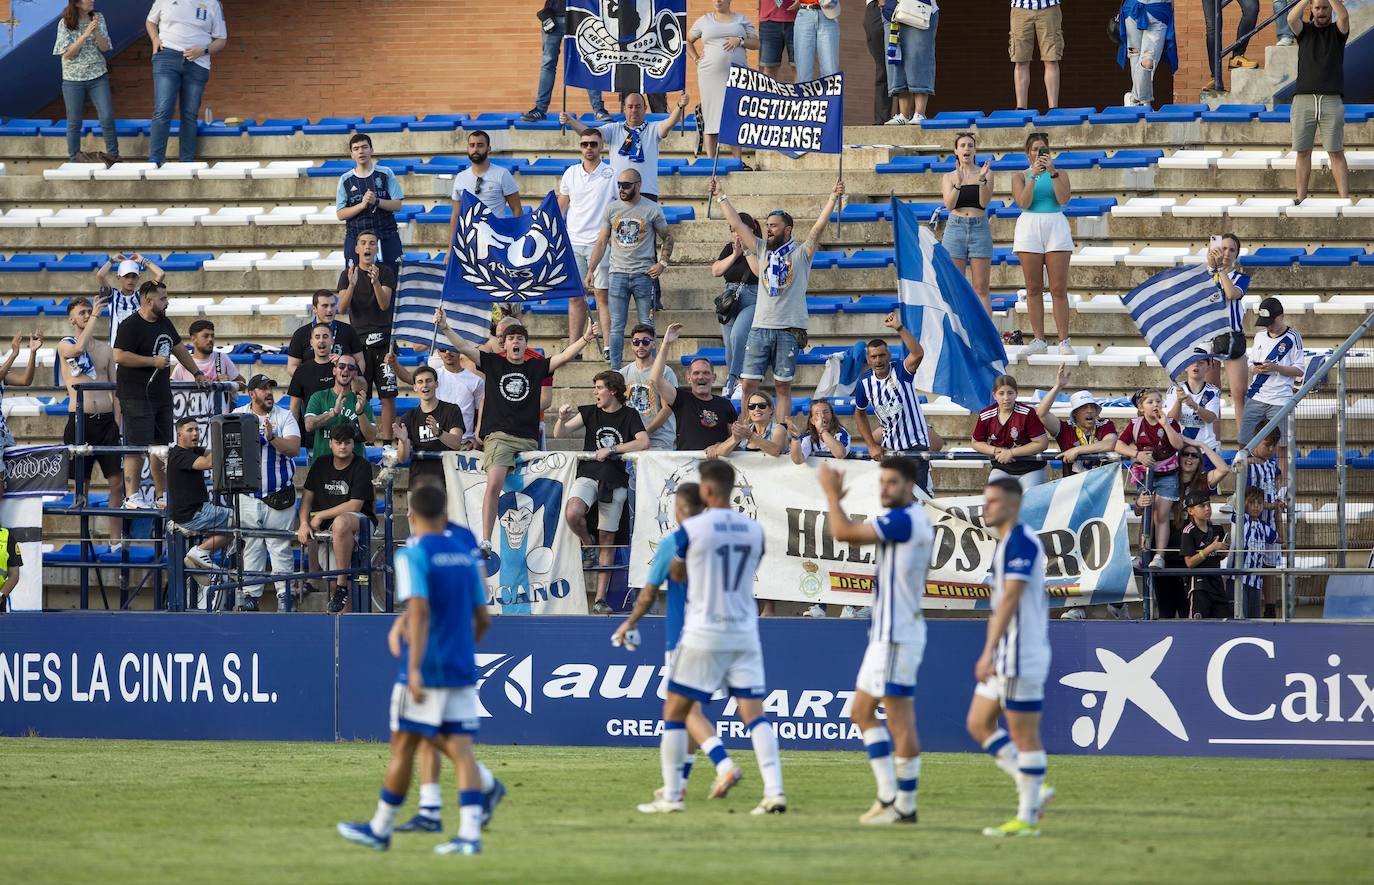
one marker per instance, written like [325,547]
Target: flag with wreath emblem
[505,260]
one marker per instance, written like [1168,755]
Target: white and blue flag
[790,118]
[511,260]
[419,292]
[963,351]
[1179,312]
[626,45]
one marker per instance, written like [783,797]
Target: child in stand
[1259,548]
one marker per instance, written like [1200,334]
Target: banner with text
[1081,522]
[791,118]
[536,562]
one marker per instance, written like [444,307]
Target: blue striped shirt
[1265,475]
[1259,548]
[278,470]
[1237,307]
[897,406]
[1033,4]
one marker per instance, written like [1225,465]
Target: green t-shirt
[323,401]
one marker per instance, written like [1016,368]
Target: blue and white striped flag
[1179,312]
[963,351]
[418,294]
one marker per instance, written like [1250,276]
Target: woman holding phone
[1043,241]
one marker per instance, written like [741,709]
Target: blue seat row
[1133,158]
[702,166]
[1169,113]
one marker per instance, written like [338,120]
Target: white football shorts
[698,673]
[443,711]
[1020,694]
[889,669]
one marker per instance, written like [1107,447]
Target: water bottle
[209,116]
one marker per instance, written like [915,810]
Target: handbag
[913,14]
[727,304]
[1114,27]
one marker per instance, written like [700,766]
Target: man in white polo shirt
[583,195]
[185,33]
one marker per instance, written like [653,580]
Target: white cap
[129,266]
[1080,399]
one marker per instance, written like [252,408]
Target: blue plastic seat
[220,129]
[57,307]
[440,123]
[1003,300]
[1011,119]
[333,126]
[400,165]
[1116,115]
[871,304]
[132,128]
[68,553]
[408,211]
[549,307]
[441,166]
[1274,256]
[1282,113]
[864,212]
[1233,113]
[1176,113]
[1004,255]
[1366,260]
[702,166]
[952,120]
[279,126]
[80,262]
[329,169]
[1358,113]
[550,166]
[1132,158]
[824,305]
[1010,163]
[679,214]
[27,263]
[185,261]
[868,258]
[390,122]
[825,259]
[493,121]
[907,164]
[669,167]
[1331,256]
[1088,207]
[21,306]
[57,407]
[273,359]
[1009,209]
[1078,159]
[1063,117]
[25,126]
[1325,459]
[817,356]
[714,355]
[514,165]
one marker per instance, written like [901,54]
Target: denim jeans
[548,67]
[736,332]
[813,34]
[623,285]
[915,74]
[1281,28]
[175,80]
[1142,44]
[74,95]
[1249,16]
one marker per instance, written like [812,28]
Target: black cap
[260,382]
[1193,499]
[1269,310]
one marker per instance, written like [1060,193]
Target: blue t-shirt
[350,192]
[675,594]
[445,570]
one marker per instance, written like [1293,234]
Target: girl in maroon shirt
[1152,442]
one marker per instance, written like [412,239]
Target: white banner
[536,562]
[24,517]
[1081,522]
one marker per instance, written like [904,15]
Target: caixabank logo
[1219,690]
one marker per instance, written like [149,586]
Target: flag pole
[715,157]
[839,204]
[563,127]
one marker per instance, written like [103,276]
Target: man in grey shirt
[630,230]
[643,394]
[783,266]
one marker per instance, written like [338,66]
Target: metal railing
[1219,53]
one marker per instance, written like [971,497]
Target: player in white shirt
[896,636]
[718,552]
[1015,662]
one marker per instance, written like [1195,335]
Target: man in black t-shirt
[188,500]
[324,309]
[1204,545]
[338,499]
[703,419]
[1319,93]
[432,426]
[612,429]
[365,294]
[144,348]
[510,406]
[311,377]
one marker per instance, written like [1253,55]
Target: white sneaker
[197,558]
[815,611]
[661,806]
[1036,346]
[770,805]
[885,813]
[1128,100]
[1285,41]
[1158,561]
[658,795]
[897,120]
[1066,348]
[856,611]
[916,119]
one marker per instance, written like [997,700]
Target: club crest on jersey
[630,32]
[514,387]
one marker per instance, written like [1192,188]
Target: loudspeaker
[235,454]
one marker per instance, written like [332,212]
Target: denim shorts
[209,516]
[768,350]
[916,72]
[773,36]
[968,237]
[1164,485]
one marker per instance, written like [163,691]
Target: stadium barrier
[1177,689]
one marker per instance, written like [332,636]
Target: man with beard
[144,348]
[324,308]
[634,144]
[703,419]
[493,186]
[311,377]
[365,294]
[273,506]
[783,267]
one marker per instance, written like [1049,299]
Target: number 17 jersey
[721,549]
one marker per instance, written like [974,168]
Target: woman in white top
[755,432]
[824,436]
[1043,241]
[184,36]
[723,37]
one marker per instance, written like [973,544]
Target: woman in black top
[968,234]
[743,283]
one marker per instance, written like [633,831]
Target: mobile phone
[1214,242]
[1043,151]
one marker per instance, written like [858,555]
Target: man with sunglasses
[783,267]
[643,393]
[585,192]
[492,185]
[630,228]
[634,144]
[342,404]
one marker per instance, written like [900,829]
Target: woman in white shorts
[1043,241]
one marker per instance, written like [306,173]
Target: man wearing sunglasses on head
[492,185]
[583,195]
[341,404]
[630,229]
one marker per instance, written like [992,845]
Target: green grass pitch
[142,812]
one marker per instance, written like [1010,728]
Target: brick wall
[338,57]
[1192,44]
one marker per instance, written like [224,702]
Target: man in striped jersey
[1263,473]
[891,393]
[897,635]
[274,505]
[1015,661]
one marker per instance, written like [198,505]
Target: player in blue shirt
[700,730]
[896,634]
[439,581]
[1015,662]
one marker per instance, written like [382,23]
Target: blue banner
[525,258]
[791,118]
[1164,688]
[626,46]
